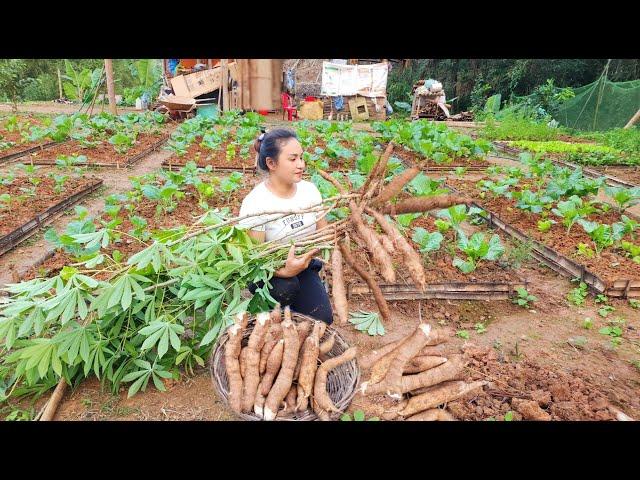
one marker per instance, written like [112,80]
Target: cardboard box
[198,83]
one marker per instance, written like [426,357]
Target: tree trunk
[111,91]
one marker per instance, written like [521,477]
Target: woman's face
[290,166]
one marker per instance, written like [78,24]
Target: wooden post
[108,66]
[225,84]
[59,84]
[633,120]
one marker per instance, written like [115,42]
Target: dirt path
[55,108]
[542,334]
[33,250]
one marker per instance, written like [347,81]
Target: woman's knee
[285,290]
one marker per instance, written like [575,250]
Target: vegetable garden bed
[43,209]
[489,280]
[15,138]
[102,155]
[610,273]
[631,173]
[152,206]
[19,151]
[217,159]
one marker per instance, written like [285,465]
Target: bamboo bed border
[167,165]
[14,156]
[443,290]
[17,236]
[127,163]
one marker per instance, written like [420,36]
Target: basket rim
[351,387]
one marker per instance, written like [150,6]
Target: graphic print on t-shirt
[294,221]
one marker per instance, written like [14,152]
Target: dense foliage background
[472,81]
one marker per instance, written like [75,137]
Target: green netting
[601,105]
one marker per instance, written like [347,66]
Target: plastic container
[207,110]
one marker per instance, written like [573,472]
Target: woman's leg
[283,290]
[313,299]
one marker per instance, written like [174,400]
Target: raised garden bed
[617,176]
[103,155]
[610,273]
[24,219]
[203,157]
[491,280]
[187,209]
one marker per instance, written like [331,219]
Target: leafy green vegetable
[477,248]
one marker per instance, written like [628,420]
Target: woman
[297,283]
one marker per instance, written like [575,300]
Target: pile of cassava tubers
[414,366]
[283,368]
[374,199]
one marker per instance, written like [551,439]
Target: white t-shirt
[261,199]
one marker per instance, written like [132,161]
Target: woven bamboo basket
[342,381]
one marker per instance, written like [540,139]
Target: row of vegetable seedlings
[102,140]
[572,232]
[513,152]
[226,143]
[30,199]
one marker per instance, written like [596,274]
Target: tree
[12,79]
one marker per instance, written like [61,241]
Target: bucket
[207,110]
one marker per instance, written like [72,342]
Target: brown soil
[15,137]
[609,266]
[103,153]
[628,174]
[22,208]
[568,138]
[204,156]
[563,396]
[532,346]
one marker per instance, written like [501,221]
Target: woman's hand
[294,265]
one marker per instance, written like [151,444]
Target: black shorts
[305,293]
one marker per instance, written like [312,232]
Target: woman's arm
[293,265]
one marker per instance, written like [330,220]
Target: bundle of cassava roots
[415,376]
[283,368]
[374,199]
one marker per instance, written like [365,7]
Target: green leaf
[163,344]
[358,416]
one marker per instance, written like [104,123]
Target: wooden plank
[446,290]
[22,153]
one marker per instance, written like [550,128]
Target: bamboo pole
[59,84]
[108,66]
[224,90]
[633,120]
